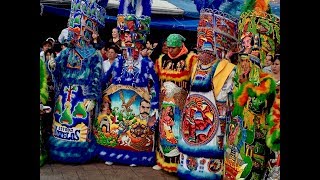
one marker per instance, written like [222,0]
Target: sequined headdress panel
[133,21]
[85,17]
[218,29]
[260,28]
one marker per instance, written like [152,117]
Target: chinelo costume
[125,127]
[174,74]
[77,75]
[246,149]
[207,107]
[44,95]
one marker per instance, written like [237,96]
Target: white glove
[44,109]
[52,63]
[90,105]
[153,118]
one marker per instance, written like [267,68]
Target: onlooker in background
[275,67]
[268,63]
[115,37]
[161,48]
[149,46]
[97,41]
[112,53]
[51,40]
[144,53]
[45,46]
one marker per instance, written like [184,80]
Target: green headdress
[175,40]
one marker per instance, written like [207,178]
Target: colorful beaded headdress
[218,29]
[85,17]
[133,21]
[262,27]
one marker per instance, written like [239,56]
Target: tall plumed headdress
[85,18]
[263,27]
[133,21]
[211,4]
[217,28]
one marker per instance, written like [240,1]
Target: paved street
[100,171]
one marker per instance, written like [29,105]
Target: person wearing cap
[45,46]
[253,94]
[174,71]
[51,40]
[204,116]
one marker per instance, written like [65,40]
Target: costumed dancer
[207,108]
[44,96]
[260,29]
[273,134]
[246,151]
[125,127]
[77,75]
[174,71]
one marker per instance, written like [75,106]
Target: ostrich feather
[248,5]
[257,5]
[261,5]
[137,7]
[212,4]
[102,3]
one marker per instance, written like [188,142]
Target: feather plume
[261,5]
[256,5]
[248,5]
[212,4]
[137,7]
[102,3]
[146,7]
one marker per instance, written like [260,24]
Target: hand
[90,105]
[52,63]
